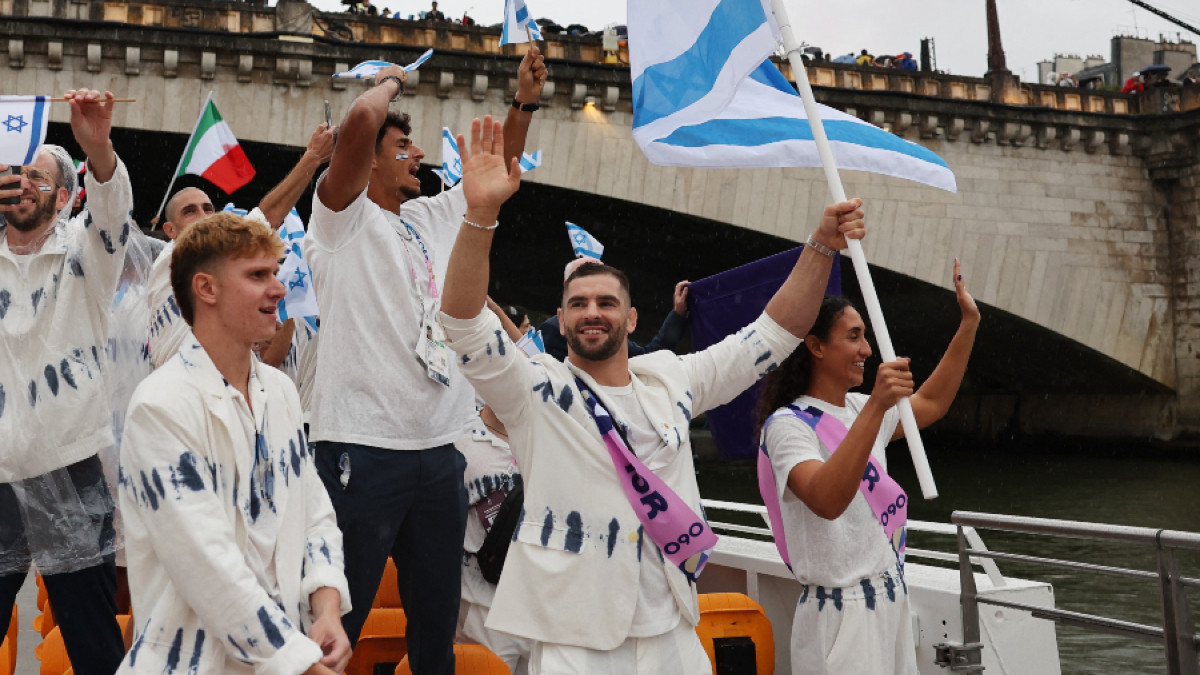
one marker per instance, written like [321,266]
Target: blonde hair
[211,241]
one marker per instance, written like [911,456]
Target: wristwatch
[525,107]
[399,83]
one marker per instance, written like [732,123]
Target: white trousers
[676,652]
[854,631]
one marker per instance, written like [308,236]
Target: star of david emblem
[15,123]
[581,238]
[299,280]
[457,166]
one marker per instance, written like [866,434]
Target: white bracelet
[481,227]
[819,247]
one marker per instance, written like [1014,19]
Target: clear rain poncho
[62,520]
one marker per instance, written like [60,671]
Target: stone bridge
[1076,219]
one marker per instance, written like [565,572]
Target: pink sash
[663,513]
[884,495]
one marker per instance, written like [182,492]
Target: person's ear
[814,346]
[170,229]
[631,321]
[562,325]
[61,198]
[204,289]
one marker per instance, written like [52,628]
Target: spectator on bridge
[828,502]
[590,434]
[388,400]
[56,510]
[167,330]
[865,59]
[233,546]
[1133,85]
[1066,80]
[435,14]
[906,61]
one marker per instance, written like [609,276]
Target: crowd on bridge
[266,469]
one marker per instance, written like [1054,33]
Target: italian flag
[214,153]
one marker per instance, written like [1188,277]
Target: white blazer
[185,491]
[571,576]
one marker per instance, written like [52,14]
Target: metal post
[1179,629]
[967,591]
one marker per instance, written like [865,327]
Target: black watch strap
[525,107]
[399,83]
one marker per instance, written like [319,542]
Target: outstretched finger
[462,147]
[958,278]
[497,138]
[514,170]
[489,134]
[476,131]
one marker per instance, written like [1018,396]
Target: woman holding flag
[837,517]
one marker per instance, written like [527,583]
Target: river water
[1128,484]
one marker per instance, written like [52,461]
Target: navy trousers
[412,505]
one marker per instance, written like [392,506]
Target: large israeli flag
[705,94]
[451,171]
[584,244]
[294,272]
[516,18]
[22,127]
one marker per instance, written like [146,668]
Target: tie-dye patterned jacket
[571,576]
[54,333]
[188,491]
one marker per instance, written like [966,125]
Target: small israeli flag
[369,69]
[585,245]
[531,343]
[22,127]
[295,274]
[530,162]
[233,209]
[516,18]
[451,171]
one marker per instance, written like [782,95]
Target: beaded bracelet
[481,227]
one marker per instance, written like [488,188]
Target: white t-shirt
[370,388]
[833,553]
[304,341]
[656,612]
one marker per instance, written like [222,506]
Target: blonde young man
[235,558]
[585,578]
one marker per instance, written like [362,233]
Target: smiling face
[41,196]
[186,207]
[397,161]
[244,296]
[843,357]
[596,317]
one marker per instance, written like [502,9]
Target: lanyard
[433,291]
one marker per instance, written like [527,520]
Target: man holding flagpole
[57,280]
[600,572]
[388,400]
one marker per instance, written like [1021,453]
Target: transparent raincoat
[66,355]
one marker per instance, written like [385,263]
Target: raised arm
[828,487]
[488,182]
[531,77]
[794,306]
[510,328]
[933,399]
[91,122]
[350,166]
[673,326]
[280,200]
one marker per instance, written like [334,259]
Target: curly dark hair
[791,379]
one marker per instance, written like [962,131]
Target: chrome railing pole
[1179,630]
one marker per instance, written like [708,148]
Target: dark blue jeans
[412,505]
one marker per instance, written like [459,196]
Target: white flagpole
[180,165]
[911,433]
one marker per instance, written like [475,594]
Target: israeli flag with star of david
[451,171]
[705,94]
[516,18]
[23,122]
[369,69]
[585,245]
[295,274]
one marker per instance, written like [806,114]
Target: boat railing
[986,564]
[1177,634]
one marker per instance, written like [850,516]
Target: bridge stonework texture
[1086,224]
